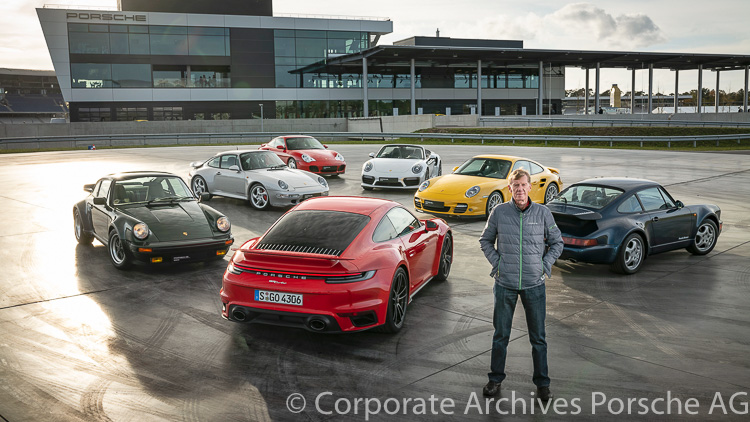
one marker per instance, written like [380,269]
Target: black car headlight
[140,231]
[416,169]
[424,185]
[322,182]
[223,224]
[368,166]
[283,185]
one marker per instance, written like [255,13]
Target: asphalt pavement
[82,341]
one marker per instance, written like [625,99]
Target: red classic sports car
[307,153]
[336,264]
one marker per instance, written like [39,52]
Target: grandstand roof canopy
[453,56]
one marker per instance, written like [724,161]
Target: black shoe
[491,389]
[544,394]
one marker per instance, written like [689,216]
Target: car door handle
[218,173]
[655,219]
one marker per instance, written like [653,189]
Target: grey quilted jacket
[511,234]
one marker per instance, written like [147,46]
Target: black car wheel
[82,236]
[291,163]
[705,238]
[258,197]
[200,186]
[630,256]
[397,301]
[118,253]
[495,199]
[550,193]
[446,258]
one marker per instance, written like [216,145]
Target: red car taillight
[572,241]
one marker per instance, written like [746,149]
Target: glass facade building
[133,65]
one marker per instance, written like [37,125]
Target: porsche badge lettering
[291,276]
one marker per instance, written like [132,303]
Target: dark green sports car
[151,217]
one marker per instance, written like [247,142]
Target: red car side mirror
[281,147]
[325,146]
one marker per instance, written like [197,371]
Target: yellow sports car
[480,184]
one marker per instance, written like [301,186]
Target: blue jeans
[535,305]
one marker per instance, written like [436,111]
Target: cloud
[574,26]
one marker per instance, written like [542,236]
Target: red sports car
[307,153]
[335,264]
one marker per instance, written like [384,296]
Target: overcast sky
[697,26]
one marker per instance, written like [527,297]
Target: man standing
[521,241]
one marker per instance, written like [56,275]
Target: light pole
[261,117]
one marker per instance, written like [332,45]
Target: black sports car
[620,221]
[151,217]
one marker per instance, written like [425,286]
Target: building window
[167,113]
[127,114]
[91,75]
[131,76]
[145,39]
[94,114]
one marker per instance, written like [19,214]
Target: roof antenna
[437,33]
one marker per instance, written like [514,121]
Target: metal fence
[596,121]
[51,142]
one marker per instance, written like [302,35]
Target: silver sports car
[260,177]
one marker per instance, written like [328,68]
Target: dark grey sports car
[620,221]
[151,217]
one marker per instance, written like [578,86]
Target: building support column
[632,92]
[676,89]
[597,105]
[366,101]
[586,94]
[716,97]
[700,88]
[744,98]
[413,87]
[479,88]
[540,93]
[650,87]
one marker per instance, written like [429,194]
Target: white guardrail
[598,121]
[241,137]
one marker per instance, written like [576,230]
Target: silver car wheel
[633,253]
[291,163]
[116,250]
[493,201]
[199,186]
[259,196]
[550,193]
[704,239]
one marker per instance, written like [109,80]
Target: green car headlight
[140,231]
[223,224]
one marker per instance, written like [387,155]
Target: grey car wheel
[550,193]
[292,164]
[81,236]
[495,199]
[200,186]
[705,238]
[397,302]
[630,256]
[118,253]
[259,197]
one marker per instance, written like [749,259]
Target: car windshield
[313,231]
[401,151]
[589,196]
[150,189]
[260,160]
[486,167]
[303,143]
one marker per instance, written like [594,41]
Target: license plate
[277,297]
[180,258]
[389,179]
[433,203]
